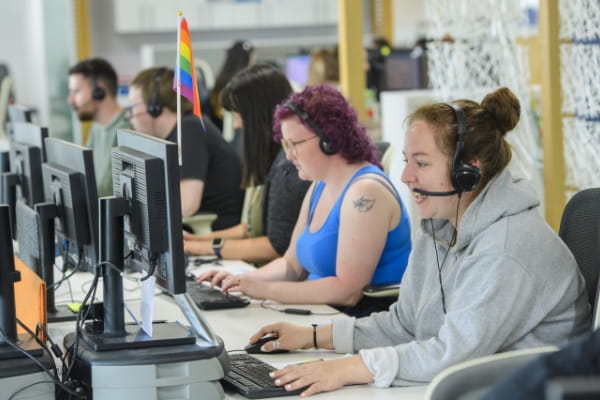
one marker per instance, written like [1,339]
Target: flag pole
[178,80]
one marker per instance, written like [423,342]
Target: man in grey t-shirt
[93,96]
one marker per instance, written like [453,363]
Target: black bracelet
[315,345]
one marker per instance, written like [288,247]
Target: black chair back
[580,230]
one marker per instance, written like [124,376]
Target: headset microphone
[438,194]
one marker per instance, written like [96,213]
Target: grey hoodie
[509,283]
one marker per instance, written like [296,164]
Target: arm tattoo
[363,204]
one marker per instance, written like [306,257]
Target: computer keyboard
[208,298]
[250,377]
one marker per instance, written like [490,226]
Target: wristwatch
[217,244]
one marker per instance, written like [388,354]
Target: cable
[65,277]
[81,318]
[123,274]
[450,245]
[39,364]
[72,350]
[12,396]
[40,342]
[300,311]
[153,262]
[53,346]
[56,285]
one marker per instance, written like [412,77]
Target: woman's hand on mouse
[290,336]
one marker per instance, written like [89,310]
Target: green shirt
[102,140]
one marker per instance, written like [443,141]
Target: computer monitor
[404,69]
[24,181]
[70,184]
[141,227]
[20,113]
[8,314]
[146,174]
[17,113]
[69,217]
[4,161]
[27,153]
[296,68]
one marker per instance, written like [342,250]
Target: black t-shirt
[208,157]
[284,194]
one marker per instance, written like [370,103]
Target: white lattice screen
[475,50]
[580,86]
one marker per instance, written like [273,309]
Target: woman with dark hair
[352,230]
[274,192]
[239,56]
[487,274]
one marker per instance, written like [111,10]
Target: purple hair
[338,121]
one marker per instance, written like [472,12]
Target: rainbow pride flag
[186,78]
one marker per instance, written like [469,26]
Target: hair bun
[504,106]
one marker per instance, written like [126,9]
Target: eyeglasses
[292,147]
[129,111]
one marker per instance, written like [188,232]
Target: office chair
[580,230]
[201,223]
[471,379]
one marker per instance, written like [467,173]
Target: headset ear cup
[465,177]
[154,109]
[326,147]
[98,93]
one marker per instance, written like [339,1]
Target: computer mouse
[189,276]
[254,348]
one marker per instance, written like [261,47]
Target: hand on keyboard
[250,377]
[209,298]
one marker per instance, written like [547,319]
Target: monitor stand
[123,359]
[60,314]
[163,334]
[189,371]
[25,342]
[17,368]
[47,212]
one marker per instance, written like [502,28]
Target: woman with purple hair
[352,230]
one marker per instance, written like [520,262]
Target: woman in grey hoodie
[486,273]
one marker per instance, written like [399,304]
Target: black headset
[324,144]
[154,107]
[465,177]
[98,93]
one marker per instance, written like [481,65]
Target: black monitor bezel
[71,157]
[172,278]
[28,141]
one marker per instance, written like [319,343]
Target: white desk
[235,326]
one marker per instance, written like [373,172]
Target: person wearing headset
[352,230]
[240,55]
[274,192]
[211,170]
[93,96]
[487,274]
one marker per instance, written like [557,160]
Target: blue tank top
[316,251]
